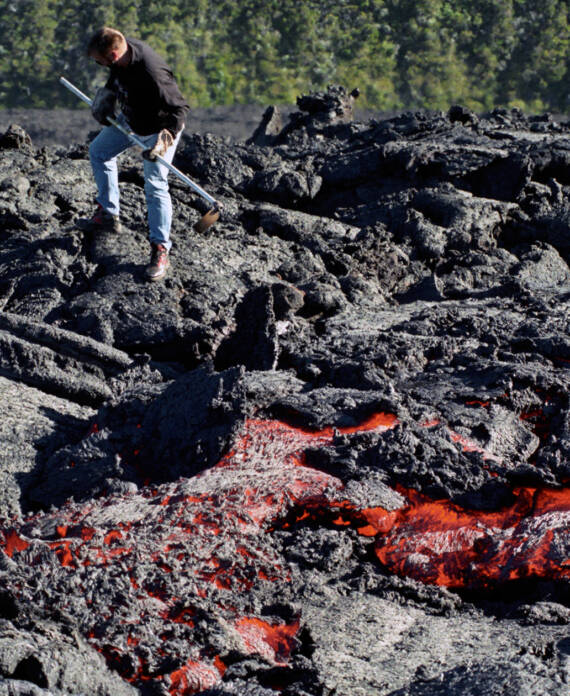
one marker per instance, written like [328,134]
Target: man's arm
[173,103]
[103,105]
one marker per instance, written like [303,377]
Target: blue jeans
[103,153]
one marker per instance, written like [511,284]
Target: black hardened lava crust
[330,453]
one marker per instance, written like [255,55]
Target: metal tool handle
[134,139]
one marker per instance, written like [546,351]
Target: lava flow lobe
[155,578]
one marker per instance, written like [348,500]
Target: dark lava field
[330,454]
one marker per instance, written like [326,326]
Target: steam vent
[330,454]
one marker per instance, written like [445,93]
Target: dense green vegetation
[400,53]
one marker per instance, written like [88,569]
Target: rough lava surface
[330,453]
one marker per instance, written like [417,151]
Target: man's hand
[164,140]
[103,105]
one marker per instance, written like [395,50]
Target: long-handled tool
[211,216]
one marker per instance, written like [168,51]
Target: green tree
[536,75]
[365,53]
[484,35]
[399,53]
[28,49]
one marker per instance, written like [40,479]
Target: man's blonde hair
[105,40]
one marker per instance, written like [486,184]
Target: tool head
[208,219]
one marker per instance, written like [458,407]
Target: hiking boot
[156,269]
[102,221]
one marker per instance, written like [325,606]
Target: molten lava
[438,542]
[274,642]
[169,557]
[184,531]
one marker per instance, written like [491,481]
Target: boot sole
[154,278]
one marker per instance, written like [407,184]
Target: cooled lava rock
[330,453]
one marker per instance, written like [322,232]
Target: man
[152,106]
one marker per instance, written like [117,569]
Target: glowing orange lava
[438,542]
[182,525]
[193,677]
[211,533]
[13,543]
[272,641]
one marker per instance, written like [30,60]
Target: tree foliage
[399,53]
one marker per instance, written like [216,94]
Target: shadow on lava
[147,437]
[531,600]
[68,430]
[492,495]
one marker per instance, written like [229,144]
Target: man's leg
[103,153]
[159,208]
[157,195]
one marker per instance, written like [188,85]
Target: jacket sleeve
[112,84]
[173,105]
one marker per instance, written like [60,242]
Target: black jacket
[147,92]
